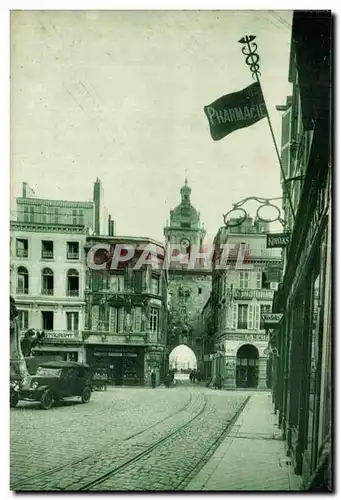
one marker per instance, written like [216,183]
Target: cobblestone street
[124,439]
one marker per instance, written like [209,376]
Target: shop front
[60,346]
[116,364]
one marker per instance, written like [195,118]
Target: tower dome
[185,192]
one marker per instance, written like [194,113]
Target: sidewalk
[252,457]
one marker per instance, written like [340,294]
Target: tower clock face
[185,243]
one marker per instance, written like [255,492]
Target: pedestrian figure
[153,379]
[191,376]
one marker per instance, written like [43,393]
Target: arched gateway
[247,366]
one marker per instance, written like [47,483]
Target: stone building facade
[188,288]
[126,312]
[241,294]
[47,276]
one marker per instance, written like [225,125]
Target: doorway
[247,366]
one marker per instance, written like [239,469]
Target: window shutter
[286,140]
[257,317]
[259,281]
[137,319]
[113,319]
[234,316]
[95,317]
[250,316]
[120,319]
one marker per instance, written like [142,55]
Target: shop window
[22,281]
[47,287]
[72,283]
[47,320]
[21,247]
[47,249]
[72,321]
[23,320]
[242,316]
[72,250]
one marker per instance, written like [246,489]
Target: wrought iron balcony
[22,252]
[22,291]
[72,293]
[244,293]
[72,255]
[47,254]
[47,291]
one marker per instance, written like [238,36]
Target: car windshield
[43,371]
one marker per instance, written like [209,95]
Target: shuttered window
[257,317]
[113,319]
[234,316]
[95,317]
[250,318]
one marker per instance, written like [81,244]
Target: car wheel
[14,399]
[46,399]
[86,395]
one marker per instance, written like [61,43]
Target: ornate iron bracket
[264,202]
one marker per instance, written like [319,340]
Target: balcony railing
[22,253]
[241,293]
[72,293]
[47,291]
[47,254]
[72,255]
[22,291]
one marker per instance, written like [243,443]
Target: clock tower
[184,225]
[189,289]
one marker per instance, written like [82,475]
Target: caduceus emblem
[250,51]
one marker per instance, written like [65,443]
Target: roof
[62,364]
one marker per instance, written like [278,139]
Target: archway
[247,365]
[182,360]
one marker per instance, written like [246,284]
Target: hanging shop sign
[277,240]
[271,319]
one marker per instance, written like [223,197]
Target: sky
[119,95]
[183,355]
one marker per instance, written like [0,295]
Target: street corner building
[302,371]
[126,316]
[235,338]
[47,239]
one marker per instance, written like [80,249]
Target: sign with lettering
[61,336]
[272,318]
[277,240]
[235,111]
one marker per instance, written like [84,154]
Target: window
[25,214]
[185,225]
[32,214]
[116,319]
[244,279]
[72,283]
[265,282]
[72,250]
[56,216]
[116,283]
[259,280]
[23,320]
[81,217]
[264,309]
[47,320]
[72,321]
[21,247]
[242,316]
[137,319]
[43,214]
[154,320]
[155,285]
[47,249]
[199,291]
[47,287]
[22,283]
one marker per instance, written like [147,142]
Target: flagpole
[251,60]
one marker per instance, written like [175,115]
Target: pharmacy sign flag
[234,111]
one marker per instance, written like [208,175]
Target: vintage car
[53,381]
